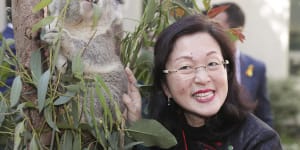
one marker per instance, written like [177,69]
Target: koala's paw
[51,36]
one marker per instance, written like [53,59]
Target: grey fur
[99,46]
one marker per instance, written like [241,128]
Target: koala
[96,43]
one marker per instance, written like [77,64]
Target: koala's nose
[93,1]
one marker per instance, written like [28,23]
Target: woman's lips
[204,96]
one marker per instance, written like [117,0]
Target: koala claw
[50,36]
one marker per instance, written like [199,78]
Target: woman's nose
[201,75]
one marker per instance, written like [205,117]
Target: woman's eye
[185,68]
[213,63]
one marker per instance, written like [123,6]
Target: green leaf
[67,139]
[107,116]
[64,98]
[49,118]
[45,21]
[96,15]
[150,10]
[77,143]
[114,140]
[206,4]
[15,91]
[33,143]
[42,89]
[3,109]
[131,145]
[27,104]
[9,42]
[20,128]
[75,113]
[152,133]
[77,65]
[2,48]
[42,4]
[36,65]
[73,88]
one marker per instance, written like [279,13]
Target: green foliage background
[284,96]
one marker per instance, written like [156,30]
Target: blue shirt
[8,33]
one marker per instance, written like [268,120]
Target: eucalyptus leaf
[150,10]
[16,90]
[19,129]
[1,54]
[152,133]
[67,139]
[131,145]
[114,140]
[77,65]
[42,4]
[27,104]
[36,65]
[99,81]
[3,109]
[107,115]
[9,42]
[94,122]
[49,118]
[96,15]
[77,142]
[42,89]
[206,4]
[64,98]
[73,88]
[33,143]
[75,113]
[45,21]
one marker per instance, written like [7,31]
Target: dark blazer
[251,134]
[253,78]
[254,134]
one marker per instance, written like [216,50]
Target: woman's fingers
[133,111]
[132,99]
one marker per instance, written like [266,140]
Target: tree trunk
[26,42]
[23,19]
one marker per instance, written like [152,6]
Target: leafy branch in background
[137,46]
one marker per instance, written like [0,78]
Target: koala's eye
[95,1]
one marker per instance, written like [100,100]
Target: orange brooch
[249,71]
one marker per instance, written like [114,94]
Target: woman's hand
[132,99]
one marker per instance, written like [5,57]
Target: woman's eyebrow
[183,57]
[211,53]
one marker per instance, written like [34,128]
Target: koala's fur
[98,45]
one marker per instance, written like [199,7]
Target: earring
[169,101]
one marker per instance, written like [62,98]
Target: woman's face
[200,92]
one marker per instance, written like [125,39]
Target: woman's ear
[166,90]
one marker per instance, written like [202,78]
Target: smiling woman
[204,109]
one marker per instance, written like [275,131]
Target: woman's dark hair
[233,109]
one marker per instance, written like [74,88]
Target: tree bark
[26,42]
[23,19]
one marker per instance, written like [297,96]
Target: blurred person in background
[8,33]
[251,73]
